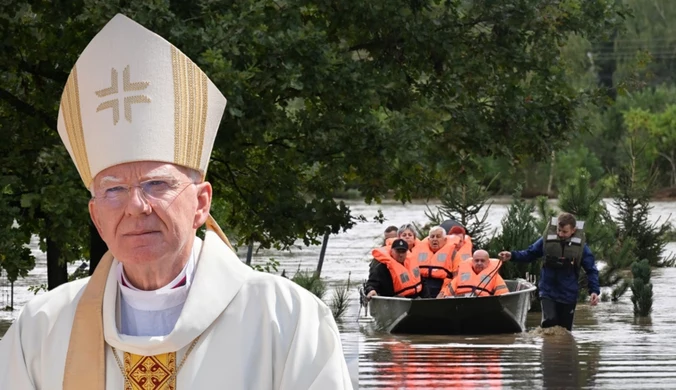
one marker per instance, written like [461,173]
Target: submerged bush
[340,300]
[308,281]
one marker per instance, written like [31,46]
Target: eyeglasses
[153,191]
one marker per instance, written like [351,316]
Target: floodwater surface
[608,348]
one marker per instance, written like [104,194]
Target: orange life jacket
[405,277]
[438,265]
[410,255]
[487,282]
[416,244]
[462,250]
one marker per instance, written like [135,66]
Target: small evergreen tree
[632,201]
[545,213]
[636,183]
[468,202]
[519,229]
[641,288]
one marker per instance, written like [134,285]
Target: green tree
[15,256]
[469,203]
[641,288]
[635,187]
[649,31]
[321,94]
[519,229]
[663,132]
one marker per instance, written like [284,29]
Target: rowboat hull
[459,315]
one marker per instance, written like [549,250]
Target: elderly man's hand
[371,294]
[505,255]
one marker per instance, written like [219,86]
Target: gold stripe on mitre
[190,110]
[72,118]
[150,372]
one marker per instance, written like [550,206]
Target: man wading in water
[565,251]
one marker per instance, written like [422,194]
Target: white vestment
[257,331]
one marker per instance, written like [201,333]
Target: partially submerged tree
[641,288]
[634,191]
[519,229]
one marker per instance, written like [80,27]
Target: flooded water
[608,349]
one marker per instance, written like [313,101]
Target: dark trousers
[557,313]
[432,286]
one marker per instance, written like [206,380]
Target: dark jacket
[381,281]
[560,285]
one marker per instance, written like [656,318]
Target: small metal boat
[458,315]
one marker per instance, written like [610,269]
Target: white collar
[165,297]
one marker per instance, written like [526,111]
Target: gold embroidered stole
[86,359]
[150,372]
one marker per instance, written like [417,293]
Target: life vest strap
[430,268]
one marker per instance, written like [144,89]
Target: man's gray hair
[435,228]
[194,175]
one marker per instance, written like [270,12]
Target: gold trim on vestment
[86,356]
[72,118]
[190,110]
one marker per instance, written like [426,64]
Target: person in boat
[164,308]
[405,232]
[565,251]
[396,275]
[408,233]
[390,234]
[435,259]
[477,277]
[462,246]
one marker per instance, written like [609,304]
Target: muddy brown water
[608,348]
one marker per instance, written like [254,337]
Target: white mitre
[133,96]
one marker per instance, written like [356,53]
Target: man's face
[148,212]
[392,234]
[480,262]
[399,254]
[437,239]
[565,232]
[408,236]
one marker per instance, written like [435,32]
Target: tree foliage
[396,95]
[519,229]
[468,202]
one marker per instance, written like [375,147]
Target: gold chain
[171,377]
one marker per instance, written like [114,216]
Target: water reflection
[519,361]
[567,365]
[403,363]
